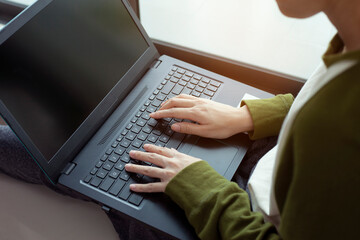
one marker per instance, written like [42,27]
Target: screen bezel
[73,145]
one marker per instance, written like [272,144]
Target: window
[249,31]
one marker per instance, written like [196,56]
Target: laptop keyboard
[109,173]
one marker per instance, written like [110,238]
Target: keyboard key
[199,89]
[125,143]
[141,122]
[174,79]
[137,143]
[215,83]
[116,188]
[177,75]
[131,136]
[152,138]
[93,171]
[161,97]
[147,103]
[88,178]
[96,181]
[124,132]
[181,71]
[115,144]
[129,126]
[102,173]
[189,74]
[106,184]
[194,81]
[147,129]
[168,131]
[202,84]
[120,166]
[191,86]
[182,83]
[195,94]
[156,103]
[143,108]
[211,88]
[120,150]
[99,164]
[168,87]
[186,79]
[197,77]
[151,109]
[209,93]
[152,122]
[125,158]
[114,158]
[109,151]
[125,175]
[205,80]
[177,89]
[114,174]
[125,192]
[104,157]
[145,116]
[186,91]
[136,129]
[143,136]
[136,199]
[108,166]
[164,138]
[156,132]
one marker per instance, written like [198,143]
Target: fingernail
[153,114]
[132,186]
[175,127]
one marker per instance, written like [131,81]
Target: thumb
[189,128]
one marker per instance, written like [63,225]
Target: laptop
[79,79]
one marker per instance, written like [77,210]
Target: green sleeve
[268,114]
[216,207]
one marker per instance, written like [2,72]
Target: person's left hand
[169,161]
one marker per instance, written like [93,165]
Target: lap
[17,163]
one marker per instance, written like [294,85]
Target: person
[311,181]
[317,165]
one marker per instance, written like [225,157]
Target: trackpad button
[217,154]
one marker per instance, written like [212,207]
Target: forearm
[268,114]
[217,208]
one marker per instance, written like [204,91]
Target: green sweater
[318,177]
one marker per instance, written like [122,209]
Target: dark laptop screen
[59,66]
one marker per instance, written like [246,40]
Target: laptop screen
[58,67]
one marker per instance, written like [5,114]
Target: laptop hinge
[68,169]
[156,64]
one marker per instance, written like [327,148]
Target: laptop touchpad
[216,153]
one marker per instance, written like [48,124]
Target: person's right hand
[213,120]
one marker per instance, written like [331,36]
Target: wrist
[244,121]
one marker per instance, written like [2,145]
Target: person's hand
[213,120]
[169,161]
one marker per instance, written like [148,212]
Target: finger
[148,157]
[187,96]
[178,102]
[153,172]
[183,113]
[149,187]
[190,128]
[160,150]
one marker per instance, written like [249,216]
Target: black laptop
[79,79]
